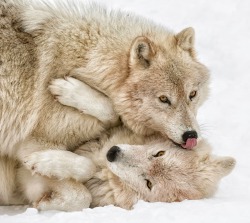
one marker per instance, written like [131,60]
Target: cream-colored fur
[30,118]
[127,58]
[175,174]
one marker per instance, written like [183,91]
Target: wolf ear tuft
[142,52]
[185,39]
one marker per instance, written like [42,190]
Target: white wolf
[136,168]
[150,75]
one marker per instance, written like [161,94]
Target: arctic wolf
[149,74]
[129,167]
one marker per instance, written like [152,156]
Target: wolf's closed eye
[161,153]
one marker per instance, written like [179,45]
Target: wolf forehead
[173,74]
[166,167]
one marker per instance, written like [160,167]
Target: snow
[223,43]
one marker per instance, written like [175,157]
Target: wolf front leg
[77,94]
[51,194]
[55,162]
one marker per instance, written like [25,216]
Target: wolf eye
[192,94]
[164,99]
[161,153]
[149,184]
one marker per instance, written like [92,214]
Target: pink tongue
[190,143]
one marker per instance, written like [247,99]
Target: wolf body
[147,72]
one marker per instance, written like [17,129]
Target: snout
[190,139]
[112,154]
[189,134]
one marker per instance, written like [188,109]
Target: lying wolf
[129,167]
[135,169]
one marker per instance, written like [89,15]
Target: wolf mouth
[177,144]
[184,145]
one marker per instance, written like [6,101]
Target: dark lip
[177,144]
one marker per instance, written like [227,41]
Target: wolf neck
[107,189]
[106,76]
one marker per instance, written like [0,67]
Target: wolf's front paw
[77,94]
[60,164]
[66,90]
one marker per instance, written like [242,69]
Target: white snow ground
[223,44]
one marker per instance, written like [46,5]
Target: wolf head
[165,87]
[162,172]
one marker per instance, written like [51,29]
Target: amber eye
[161,153]
[164,99]
[192,94]
[149,184]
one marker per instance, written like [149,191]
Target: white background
[223,44]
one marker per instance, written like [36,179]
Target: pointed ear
[224,165]
[142,52]
[185,39]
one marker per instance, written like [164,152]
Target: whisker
[206,129]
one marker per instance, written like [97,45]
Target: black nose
[189,134]
[112,153]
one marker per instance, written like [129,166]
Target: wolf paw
[60,164]
[39,164]
[77,94]
[66,90]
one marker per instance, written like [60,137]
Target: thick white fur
[128,58]
[108,42]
